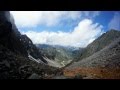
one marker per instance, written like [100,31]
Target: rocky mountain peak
[13,40]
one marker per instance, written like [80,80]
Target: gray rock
[7,63]
[34,76]
[60,77]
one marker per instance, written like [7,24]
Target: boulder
[34,76]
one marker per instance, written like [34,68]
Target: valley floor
[94,73]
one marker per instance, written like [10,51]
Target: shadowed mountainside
[19,57]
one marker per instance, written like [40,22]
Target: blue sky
[105,18]
[67,28]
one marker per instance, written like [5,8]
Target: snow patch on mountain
[36,60]
[52,63]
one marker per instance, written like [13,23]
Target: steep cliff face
[19,57]
[11,38]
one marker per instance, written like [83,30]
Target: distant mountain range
[59,54]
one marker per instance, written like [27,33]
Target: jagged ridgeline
[19,57]
[13,40]
[98,44]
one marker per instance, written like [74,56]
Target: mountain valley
[20,58]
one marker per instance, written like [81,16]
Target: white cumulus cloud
[48,18]
[81,36]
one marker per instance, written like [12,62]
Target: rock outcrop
[11,38]
[14,51]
